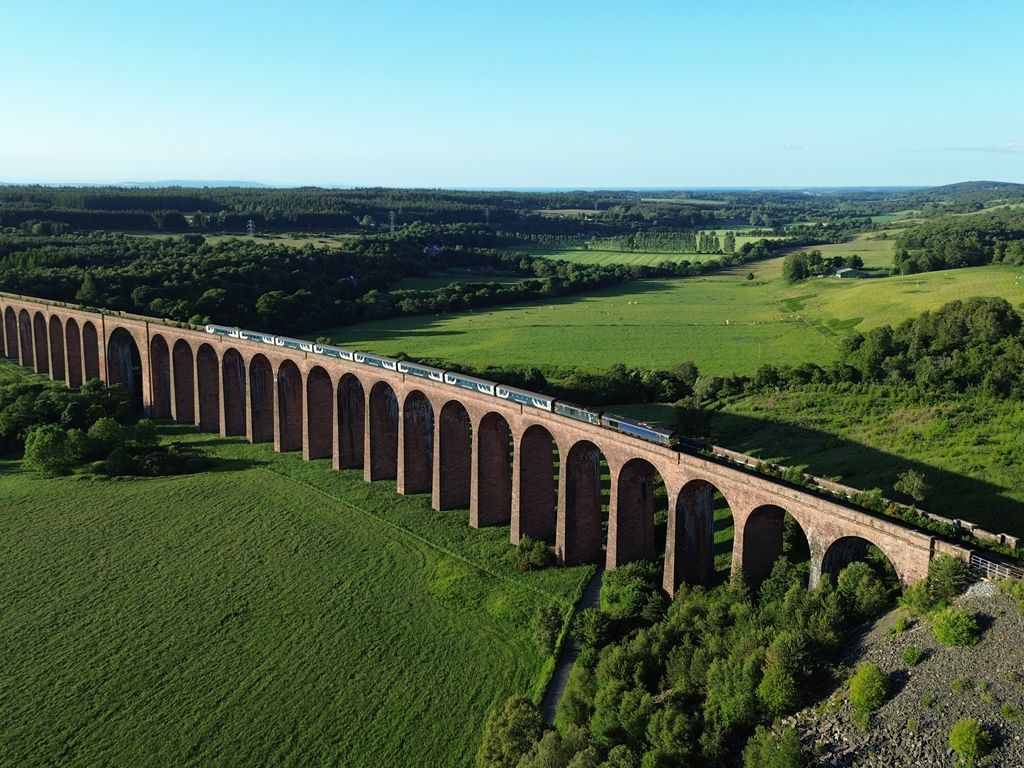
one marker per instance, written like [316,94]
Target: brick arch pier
[537,472]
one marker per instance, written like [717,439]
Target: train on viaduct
[535,470]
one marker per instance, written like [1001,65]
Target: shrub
[947,577]
[627,591]
[546,626]
[862,590]
[509,733]
[769,749]
[953,626]
[46,450]
[917,598]
[590,628]
[901,625]
[868,688]
[969,739]
[911,655]
[1014,589]
[533,554]
[960,684]
[778,691]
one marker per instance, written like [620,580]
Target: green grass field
[723,322]
[971,451]
[268,611]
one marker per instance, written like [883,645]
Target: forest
[950,242]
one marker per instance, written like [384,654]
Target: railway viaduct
[538,472]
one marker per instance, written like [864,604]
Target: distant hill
[184,183]
[976,186]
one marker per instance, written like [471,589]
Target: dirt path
[570,650]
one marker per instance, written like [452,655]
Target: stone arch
[261,399]
[208,381]
[160,365]
[537,459]
[764,541]
[639,490]
[124,365]
[699,530]
[455,465]
[42,346]
[493,502]
[11,333]
[233,376]
[90,350]
[846,550]
[184,383]
[383,435]
[289,407]
[26,356]
[351,422]
[417,444]
[73,342]
[319,414]
[56,335]
[580,525]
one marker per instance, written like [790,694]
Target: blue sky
[514,94]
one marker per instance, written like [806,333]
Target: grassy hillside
[268,611]
[725,322]
[970,450]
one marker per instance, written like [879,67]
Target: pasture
[724,322]
[268,611]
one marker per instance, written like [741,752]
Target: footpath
[570,650]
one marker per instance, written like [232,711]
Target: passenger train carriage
[421,371]
[469,382]
[375,361]
[620,424]
[523,397]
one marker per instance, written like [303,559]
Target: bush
[917,598]
[769,749]
[953,626]
[947,577]
[911,655]
[778,691]
[590,628]
[509,733]
[547,625]
[901,625]
[533,554]
[868,688]
[969,739]
[46,450]
[627,591]
[863,590]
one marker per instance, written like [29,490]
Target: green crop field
[723,322]
[268,611]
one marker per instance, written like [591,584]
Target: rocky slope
[985,681]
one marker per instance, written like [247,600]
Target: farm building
[850,272]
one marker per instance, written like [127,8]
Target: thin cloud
[1006,148]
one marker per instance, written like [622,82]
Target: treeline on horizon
[229,209]
[252,283]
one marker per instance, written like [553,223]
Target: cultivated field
[724,322]
[268,611]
